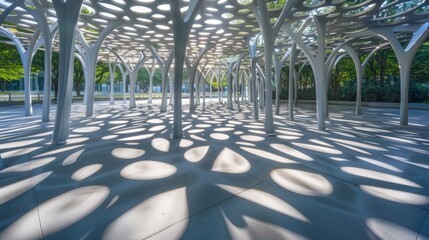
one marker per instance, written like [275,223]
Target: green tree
[10,65]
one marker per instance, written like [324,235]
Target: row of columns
[68,12]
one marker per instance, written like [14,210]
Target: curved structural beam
[26,59]
[9,9]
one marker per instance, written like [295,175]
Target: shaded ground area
[121,175]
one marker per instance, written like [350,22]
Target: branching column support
[48,35]
[171,79]
[193,68]
[269,34]
[335,60]
[211,84]
[237,78]
[181,29]
[67,14]
[317,63]
[261,86]
[91,57]
[278,65]
[359,75]
[229,77]
[132,72]
[151,72]
[219,86]
[164,66]
[292,70]
[201,77]
[405,59]
[251,45]
[298,75]
[112,70]
[124,74]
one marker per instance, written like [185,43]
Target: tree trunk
[77,88]
[56,89]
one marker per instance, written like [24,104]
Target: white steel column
[124,74]
[293,56]
[251,45]
[112,70]
[269,34]
[182,25]
[151,72]
[278,66]
[67,14]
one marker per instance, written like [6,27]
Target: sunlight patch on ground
[383,229]
[41,162]
[60,150]
[138,137]
[185,143]
[228,161]
[317,148]
[266,200]
[302,182]
[18,152]
[86,172]
[358,144]
[291,151]
[157,128]
[86,129]
[161,144]
[385,177]
[67,209]
[252,138]
[395,195]
[130,131]
[257,229]
[127,153]
[196,154]
[72,158]
[148,170]
[267,155]
[151,216]
[13,190]
[219,136]
[381,164]
[17,144]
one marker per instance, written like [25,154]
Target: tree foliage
[10,63]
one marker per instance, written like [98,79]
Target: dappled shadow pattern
[122,175]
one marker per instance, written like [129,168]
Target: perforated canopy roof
[226,23]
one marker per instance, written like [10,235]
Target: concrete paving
[122,176]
